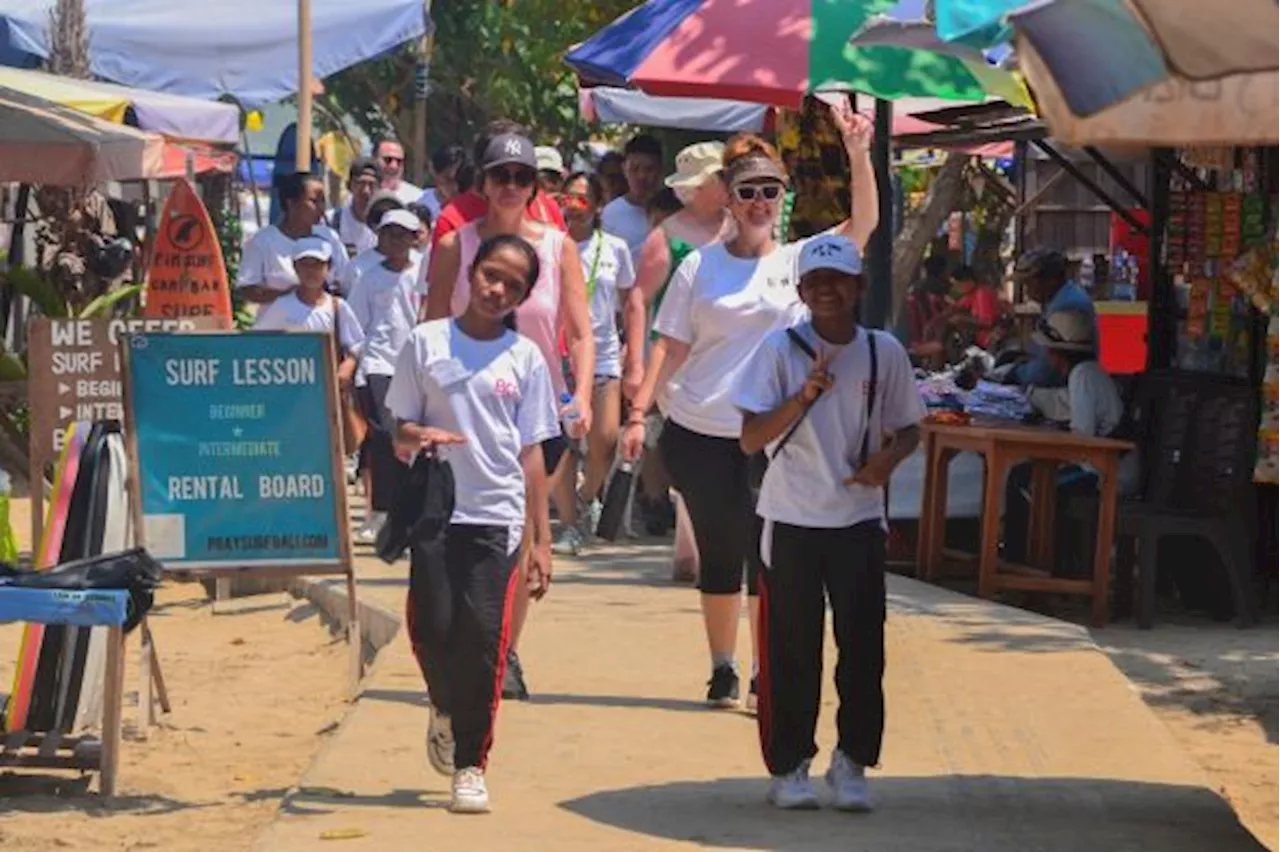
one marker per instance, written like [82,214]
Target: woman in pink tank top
[558,299]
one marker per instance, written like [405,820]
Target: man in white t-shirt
[350,220]
[391,158]
[625,216]
[836,408]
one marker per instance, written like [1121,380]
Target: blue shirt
[1038,371]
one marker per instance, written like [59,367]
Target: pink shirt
[539,317]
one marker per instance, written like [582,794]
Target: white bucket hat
[696,163]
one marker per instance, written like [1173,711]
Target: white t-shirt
[1096,407]
[623,219]
[267,260]
[354,232]
[496,393]
[367,259]
[289,313]
[407,192]
[805,482]
[430,199]
[724,307]
[386,303]
[611,260]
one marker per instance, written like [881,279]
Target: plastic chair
[1198,435]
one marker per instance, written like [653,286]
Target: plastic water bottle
[569,413]
[1087,273]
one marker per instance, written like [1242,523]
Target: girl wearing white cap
[385,298]
[721,303]
[558,301]
[821,396]
[309,308]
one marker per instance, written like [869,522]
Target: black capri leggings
[378,452]
[711,475]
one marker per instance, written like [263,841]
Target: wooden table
[1003,445]
[60,749]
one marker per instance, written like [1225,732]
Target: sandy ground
[1215,688]
[254,691]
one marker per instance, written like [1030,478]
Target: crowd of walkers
[515,333]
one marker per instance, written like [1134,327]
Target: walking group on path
[491,325]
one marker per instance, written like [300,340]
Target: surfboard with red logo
[187,276]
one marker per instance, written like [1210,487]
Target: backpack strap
[871,398]
[803,346]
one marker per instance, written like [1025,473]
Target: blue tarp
[243,48]
[90,608]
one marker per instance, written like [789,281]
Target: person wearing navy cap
[835,407]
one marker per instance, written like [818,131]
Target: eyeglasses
[748,192]
[520,177]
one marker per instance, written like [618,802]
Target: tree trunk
[919,228]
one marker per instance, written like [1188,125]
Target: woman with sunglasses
[559,300]
[723,300]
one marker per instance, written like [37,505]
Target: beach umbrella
[774,52]
[42,142]
[1151,72]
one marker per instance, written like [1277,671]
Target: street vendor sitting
[977,309]
[1043,275]
[1090,404]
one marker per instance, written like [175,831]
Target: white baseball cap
[548,159]
[696,163]
[401,218]
[315,247]
[830,251]
[1067,331]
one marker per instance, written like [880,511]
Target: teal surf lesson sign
[237,449]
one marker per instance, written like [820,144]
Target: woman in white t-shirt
[266,265]
[310,308]
[723,300]
[481,397]
[385,298]
[508,180]
[606,264]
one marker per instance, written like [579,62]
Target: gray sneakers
[440,745]
[794,791]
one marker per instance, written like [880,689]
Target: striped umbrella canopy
[774,52]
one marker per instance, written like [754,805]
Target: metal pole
[879,295]
[302,159]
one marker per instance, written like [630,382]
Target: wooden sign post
[236,448]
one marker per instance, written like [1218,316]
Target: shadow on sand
[986,813]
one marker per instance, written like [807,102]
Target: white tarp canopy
[243,48]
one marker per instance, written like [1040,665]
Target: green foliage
[490,58]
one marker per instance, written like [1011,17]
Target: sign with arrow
[75,374]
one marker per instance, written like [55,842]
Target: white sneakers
[848,781]
[368,531]
[440,744]
[470,795]
[794,791]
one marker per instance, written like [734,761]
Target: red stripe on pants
[500,670]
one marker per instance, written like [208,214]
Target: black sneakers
[722,689]
[513,688]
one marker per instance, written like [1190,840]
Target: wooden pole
[879,294]
[421,89]
[303,157]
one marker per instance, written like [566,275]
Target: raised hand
[856,129]
[819,380]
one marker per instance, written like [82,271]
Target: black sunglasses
[392,159]
[751,191]
[522,176]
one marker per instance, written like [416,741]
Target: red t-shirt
[983,304]
[471,205]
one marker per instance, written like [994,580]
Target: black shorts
[712,475]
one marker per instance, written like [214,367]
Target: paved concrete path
[1006,731]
